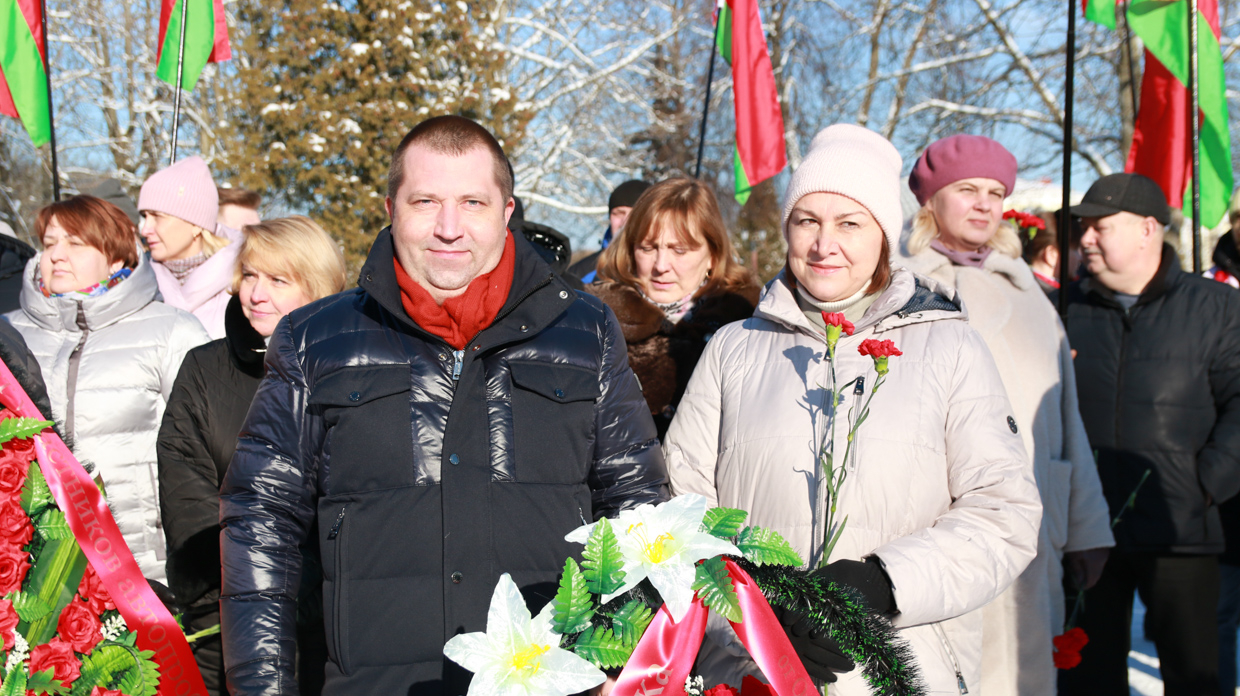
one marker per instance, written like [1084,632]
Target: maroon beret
[961,157]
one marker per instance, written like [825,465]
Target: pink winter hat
[855,162]
[961,157]
[184,190]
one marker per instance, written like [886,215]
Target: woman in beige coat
[942,510]
[960,239]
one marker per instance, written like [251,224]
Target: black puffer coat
[426,487]
[1159,389]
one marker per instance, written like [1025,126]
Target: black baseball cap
[1124,193]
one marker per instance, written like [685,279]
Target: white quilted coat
[939,488]
[1030,348]
[112,408]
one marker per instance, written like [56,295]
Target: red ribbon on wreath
[101,540]
[664,656]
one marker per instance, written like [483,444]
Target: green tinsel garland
[869,640]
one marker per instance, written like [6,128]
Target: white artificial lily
[663,542]
[519,655]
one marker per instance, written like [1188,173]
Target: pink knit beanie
[961,157]
[855,162]
[184,190]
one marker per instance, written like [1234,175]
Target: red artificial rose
[57,656]
[14,563]
[80,627]
[14,467]
[15,527]
[100,691]
[751,686]
[837,319]
[92,591]
[721,690]
[8,623]
[878,349]
[22,447]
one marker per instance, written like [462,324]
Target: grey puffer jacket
[109,363]
[939,489]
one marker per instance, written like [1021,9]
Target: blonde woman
[960,239]
[192,254]
[282,264]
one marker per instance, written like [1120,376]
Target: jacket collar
[1226,255]
[1165,278]
[245,345]
[61,313]
[205,282]
[537,298]
[908,299]
[932,264]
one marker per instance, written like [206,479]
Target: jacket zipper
[339,615]
[458,362]
[951,655]
[75,360]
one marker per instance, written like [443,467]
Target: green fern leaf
[601,560]
[143,678]
[14,681]
[14,428]
[712,584]
[43,683]
[724,523]
[101,666]
[631,621]
[767,547]
[601,647]
[35,494]
[28,606]
[53,525]
[574,607]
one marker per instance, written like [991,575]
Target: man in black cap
[619,205]
[1158,375]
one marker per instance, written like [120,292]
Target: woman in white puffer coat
[109,354]
[942,512]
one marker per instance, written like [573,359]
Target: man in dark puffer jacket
[448,421]
[1158,374]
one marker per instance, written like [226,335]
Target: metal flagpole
[51,119]
[1065,217]
[1195,119]
[710,77]
[176,103]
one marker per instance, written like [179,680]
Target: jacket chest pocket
[369,441]
[552,421]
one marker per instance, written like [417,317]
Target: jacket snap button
[457,577]
[524,328]
[1012,423]
[475,349]
[369,277]
[454,460]
[355,397]
[559,393]
[563,294]
[443,357]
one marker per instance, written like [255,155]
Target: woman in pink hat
[960,239]
[193,256]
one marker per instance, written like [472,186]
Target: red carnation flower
[92,590]
[56,655]
[14,564]
[15,527]
[837,319]
[878,349]
[8,623]
[1068,647]
[80,627]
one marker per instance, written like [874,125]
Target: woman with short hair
[940,507]
[109,354]
[961,240]
[672,280]
[283,264]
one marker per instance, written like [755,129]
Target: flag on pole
[1161,141]
[761,152]
[23,78]
[1100,11]
[206,39]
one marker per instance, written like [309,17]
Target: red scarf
[460,318]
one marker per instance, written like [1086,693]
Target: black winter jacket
[1159,389]
[430,472]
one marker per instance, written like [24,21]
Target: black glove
[822,657]
[866,577]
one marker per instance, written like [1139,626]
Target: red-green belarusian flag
[23,79]
[206,39]
[761,152]
[1162,140]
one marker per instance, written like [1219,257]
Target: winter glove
[823,658]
